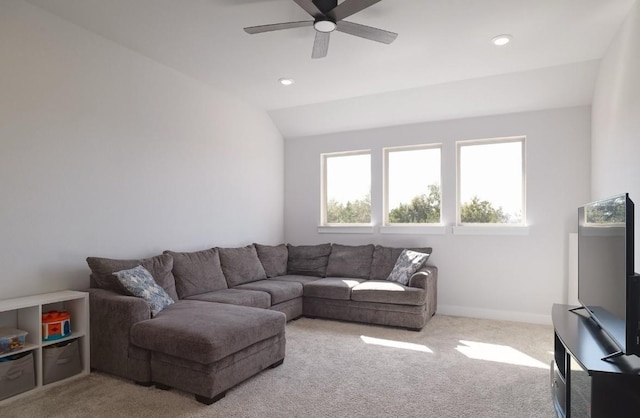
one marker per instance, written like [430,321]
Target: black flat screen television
[607,284]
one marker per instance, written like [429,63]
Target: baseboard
[495,314]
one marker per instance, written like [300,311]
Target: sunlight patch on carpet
[395,344]
[498,353]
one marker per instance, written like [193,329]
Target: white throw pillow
[408,263]
[140,283]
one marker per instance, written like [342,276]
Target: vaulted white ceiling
[442,65]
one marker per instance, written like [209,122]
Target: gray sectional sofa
[227,322]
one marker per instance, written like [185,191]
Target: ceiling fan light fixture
[501,40]
[325,26]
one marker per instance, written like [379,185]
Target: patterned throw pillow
[408,263]
[140,283]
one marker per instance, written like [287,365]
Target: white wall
[107,153]
[616,120]
[493,95]
[503,277]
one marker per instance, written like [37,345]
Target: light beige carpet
[454,367]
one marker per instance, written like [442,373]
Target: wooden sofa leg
[276,364]
[208,401]
[162,386]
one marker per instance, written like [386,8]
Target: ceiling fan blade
[277,26]
[348,8]
[310,8]
[367,32]
[321,45]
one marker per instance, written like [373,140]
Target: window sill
[346,229]
[490,230]
[436,229]
[425,229]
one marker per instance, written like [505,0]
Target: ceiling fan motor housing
[326,5]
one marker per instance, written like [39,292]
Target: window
[491,181]
[346,188]
[412,185]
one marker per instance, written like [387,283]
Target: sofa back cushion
[273,259]
[241,265]
[308,260]
[350,261]
[160,267]
[197,272]
[384,259]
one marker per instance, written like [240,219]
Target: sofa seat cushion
[205,332]
[331,288]
[297,278]
[243,297]
[280,291]
[384,291]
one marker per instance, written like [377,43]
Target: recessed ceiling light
[286,81]
[501,40]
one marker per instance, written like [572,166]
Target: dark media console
[583,383]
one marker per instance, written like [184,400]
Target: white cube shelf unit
[25,313]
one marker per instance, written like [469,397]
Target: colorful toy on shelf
[55,325]
[11,339]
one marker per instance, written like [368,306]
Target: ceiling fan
[328,16]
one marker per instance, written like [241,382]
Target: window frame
[512,228]
[385,188]
[353,227]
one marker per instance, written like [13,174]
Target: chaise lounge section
[206,348]
[225,321]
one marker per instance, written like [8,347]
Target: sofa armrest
[422,277]
[111,317]
[427,278]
